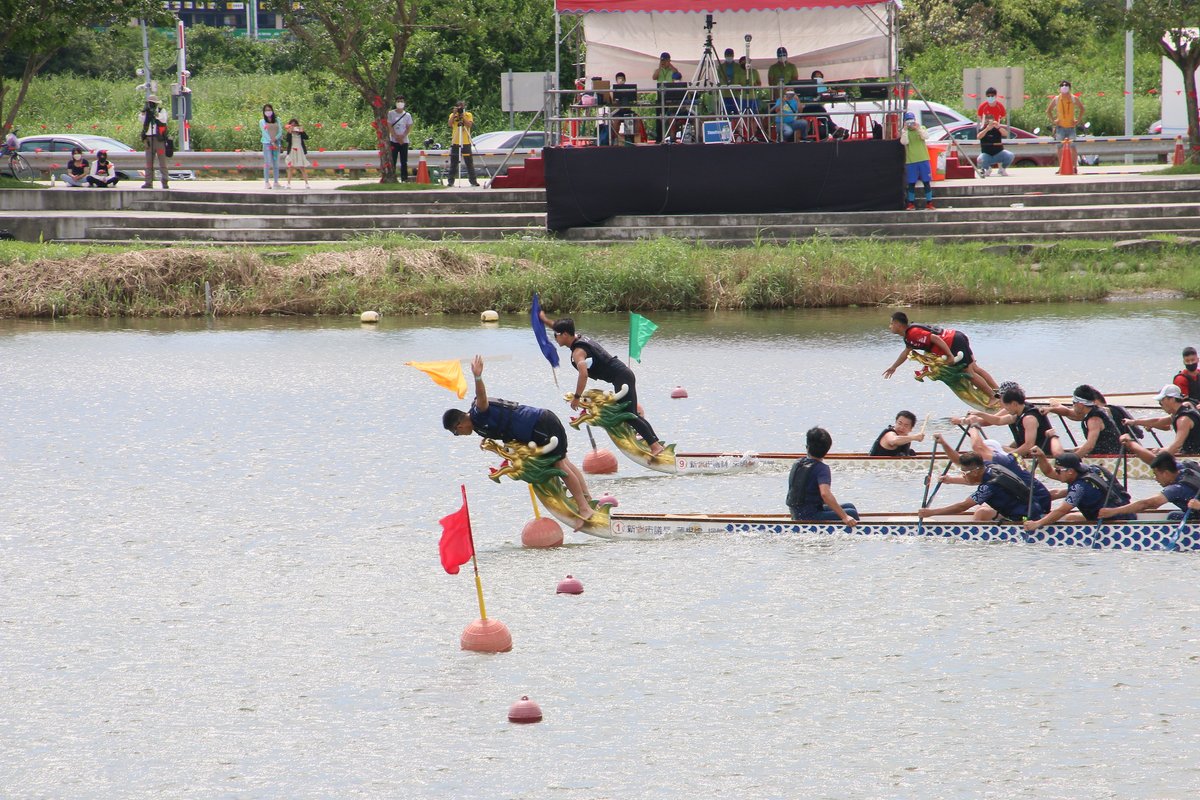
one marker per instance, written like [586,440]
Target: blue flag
[549,350]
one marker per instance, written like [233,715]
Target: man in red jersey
[1188,378]
[951,345]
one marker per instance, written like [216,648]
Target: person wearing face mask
[731,73]
[781,72]
[991,107]
[1065,112]
[665,73]
[77,169]
[400,122]
[271,136]
[1188,379]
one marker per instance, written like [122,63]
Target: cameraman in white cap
[153,120]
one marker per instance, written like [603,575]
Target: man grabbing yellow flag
[444,373]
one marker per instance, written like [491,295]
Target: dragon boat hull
[1150,531]
[700,463]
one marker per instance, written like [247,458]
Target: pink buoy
[524,711]
[487,636]
[607,500]
[641,411]
[569,585]
[600,462]
[678,392]
[542,532]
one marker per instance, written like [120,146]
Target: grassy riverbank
[402,276]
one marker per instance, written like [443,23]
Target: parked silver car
[66,142]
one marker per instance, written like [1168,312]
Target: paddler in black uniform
[1095,419]
[1184,419]
[1029,425]
[593,361]
[897,439]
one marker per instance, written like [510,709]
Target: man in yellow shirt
[461,122]
[1065,112]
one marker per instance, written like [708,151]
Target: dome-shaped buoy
[489,316]
[524,711]
[678,392]
[600,462]
[569,585]
[369,316]
[607,500]
[487,636]
[542,532]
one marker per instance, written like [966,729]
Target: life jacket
[1189,476]
[1102,479]
[1109,441]
[1121,416]
[798,482]
[945,334]
[1044,428]
[1193,384]
[878,449]
[605,366]
[510,420]
[1004,478]
[1191,445]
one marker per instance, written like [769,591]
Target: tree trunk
[1187,59]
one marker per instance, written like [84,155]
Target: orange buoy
[542,532]
[524,711]
[600,462]
[569,585]
[487,636]
[678,392]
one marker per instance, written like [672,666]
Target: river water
[220,577]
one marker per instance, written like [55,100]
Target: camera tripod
[704,84]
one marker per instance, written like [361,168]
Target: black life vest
[1109,441]
[504,422]
[878,449]
[1191,445]
[605,366]
[1004,478]
[1189,475]
[798,482]
[1102,479]
[1121,416]
[936,330]
[1045,430]
[1193,384]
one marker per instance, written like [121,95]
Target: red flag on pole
[456,545]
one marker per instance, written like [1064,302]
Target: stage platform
[589,185]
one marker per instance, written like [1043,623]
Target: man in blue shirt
[1003,493]
[1088,490]
[1180,482]
[507,421]
[809,497]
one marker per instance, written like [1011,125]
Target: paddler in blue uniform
[506,421]
[593,361]
[1089,488]
[1004,485]
[1180,482]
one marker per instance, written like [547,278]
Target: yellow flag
[444,373]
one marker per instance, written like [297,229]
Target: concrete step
[186,205]
[980,238]
[1040,199]
[111,235]
[307,222]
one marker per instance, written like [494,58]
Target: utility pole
[1128,83]
[147,84]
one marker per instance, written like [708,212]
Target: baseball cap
[152,98]
[664,56]
[728,51]
[781,52]
[1069,461]
[908,115]
[1170,390]
[994,446]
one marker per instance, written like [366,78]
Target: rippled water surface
[220,578]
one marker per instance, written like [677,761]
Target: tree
[34,31]
[363,42]
[1168,26]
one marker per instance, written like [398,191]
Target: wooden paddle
[925,498]
[1174,543]
[948,464]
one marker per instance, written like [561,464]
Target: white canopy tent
[845,39]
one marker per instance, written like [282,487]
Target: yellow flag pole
[533,498]
[474,563]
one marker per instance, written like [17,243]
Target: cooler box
[937,160]
[718,131]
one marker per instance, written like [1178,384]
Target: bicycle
[19,168]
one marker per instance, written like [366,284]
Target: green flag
[640,331]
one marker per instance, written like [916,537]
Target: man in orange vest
[1065,112]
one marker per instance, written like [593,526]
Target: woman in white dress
[297,151]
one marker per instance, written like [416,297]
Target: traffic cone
[1178,159]
[422,169]
[1066,159]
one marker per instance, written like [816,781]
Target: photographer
[991,151]
[153,119]
[461,122]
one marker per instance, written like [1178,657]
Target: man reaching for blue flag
[593,361]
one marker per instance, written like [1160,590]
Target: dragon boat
[955,376]
[699,463]
[1150,531]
